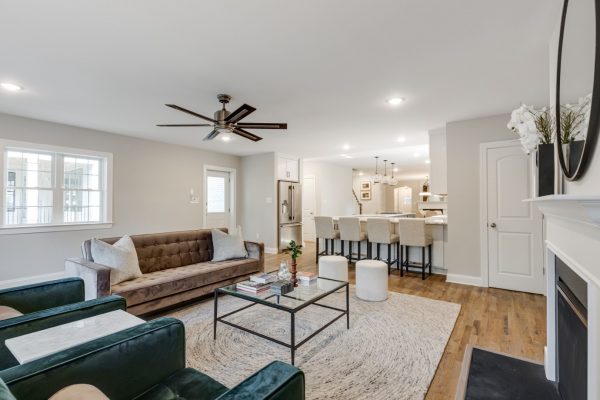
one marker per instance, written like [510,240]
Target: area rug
[391,350]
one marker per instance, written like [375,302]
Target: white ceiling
[323,66]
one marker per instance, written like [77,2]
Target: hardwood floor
[501,320]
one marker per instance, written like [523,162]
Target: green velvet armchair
[45,305]
[146,362]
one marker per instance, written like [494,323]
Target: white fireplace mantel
[579,209]
[572,232]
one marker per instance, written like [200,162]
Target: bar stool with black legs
[380,231]
[415,233]
[350,231]
[325,230]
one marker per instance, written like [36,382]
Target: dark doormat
[493,376]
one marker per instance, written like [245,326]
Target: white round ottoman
[334,267]
[371,280]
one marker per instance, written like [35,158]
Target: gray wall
[151,189]
[463,139]
[259,222]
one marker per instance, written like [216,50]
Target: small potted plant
[294,250]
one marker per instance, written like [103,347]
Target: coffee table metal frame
[293,346]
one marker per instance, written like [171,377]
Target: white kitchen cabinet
[288,168]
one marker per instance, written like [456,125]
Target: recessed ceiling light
[427,161]
[225,138]
[394,101]
[345,156]
[11,87]
[416,155]
[346,147]
[395,169]
[401,139]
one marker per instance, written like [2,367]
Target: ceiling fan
[226,121]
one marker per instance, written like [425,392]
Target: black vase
[575,152]
[545,162]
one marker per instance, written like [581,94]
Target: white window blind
[215,196]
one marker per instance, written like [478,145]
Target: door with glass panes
[218,207]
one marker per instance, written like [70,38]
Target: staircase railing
[357,202]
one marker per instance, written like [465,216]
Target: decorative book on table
[263,278]
[252,287]
[306,278]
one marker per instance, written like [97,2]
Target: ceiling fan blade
[240,113]
[260,125]
[189,112]
[184,125]
[246,134]
[211,135]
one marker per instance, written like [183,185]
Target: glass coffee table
[300,298]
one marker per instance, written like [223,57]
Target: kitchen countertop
[436,220]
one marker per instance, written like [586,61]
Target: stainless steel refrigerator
[289,201]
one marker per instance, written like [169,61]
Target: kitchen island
[437,224]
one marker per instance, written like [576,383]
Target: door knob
[493,225]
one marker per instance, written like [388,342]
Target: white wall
[152,183]
[259,199]
[463,139]
[378,195]
[333,184]
[438,178]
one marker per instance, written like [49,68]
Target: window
[47,186]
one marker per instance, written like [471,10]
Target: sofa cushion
[79,391]
[7,312]
[186,384]
[228,246]
[120,257]
[175,280]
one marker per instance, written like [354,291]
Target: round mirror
[577,90]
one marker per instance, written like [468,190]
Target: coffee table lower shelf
[293,346]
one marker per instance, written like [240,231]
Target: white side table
[52,340]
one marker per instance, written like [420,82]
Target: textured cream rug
[390,352]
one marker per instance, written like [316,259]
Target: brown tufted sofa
[176,265]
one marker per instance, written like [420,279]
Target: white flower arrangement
[534,127]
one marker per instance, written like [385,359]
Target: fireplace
[572,237]
[571,333]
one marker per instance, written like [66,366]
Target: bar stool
[325,230]
[350,231]
[415,233]
[380,232]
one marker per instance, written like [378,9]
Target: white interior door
[514,227]
[218,197]
[308,208]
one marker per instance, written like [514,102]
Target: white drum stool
[333,267]
[371,280]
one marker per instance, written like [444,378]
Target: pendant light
[385,178]
[393,181]
[377,178]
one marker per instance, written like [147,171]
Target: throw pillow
[80,391]
[120,257]
[228,246]
[7,312]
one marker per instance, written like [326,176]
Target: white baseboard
[465,280]
[271,250]
[31,279]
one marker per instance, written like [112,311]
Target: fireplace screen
[571,333]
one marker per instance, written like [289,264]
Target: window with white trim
[48,186]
